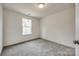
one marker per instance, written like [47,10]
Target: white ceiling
[27,8]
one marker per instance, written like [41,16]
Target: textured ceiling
[31,10]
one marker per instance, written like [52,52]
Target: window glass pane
[26,26]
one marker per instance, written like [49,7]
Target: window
[26,26]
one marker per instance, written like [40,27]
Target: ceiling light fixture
[41,5]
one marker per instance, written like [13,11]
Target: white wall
[77,28]
[77,21]
[60,27]
[1,27]
[13,28]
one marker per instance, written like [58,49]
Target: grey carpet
[38,47]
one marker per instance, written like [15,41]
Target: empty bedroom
[37,29]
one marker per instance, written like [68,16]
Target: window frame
[23,26]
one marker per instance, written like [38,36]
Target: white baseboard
[59,43]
